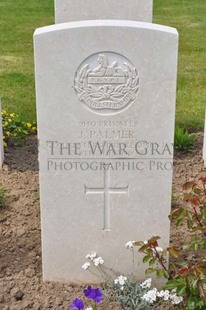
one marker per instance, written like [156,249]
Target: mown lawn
[17,24]
[189,17]
[19,20]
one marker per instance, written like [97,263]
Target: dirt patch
[21,284]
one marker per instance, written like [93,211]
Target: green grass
[2,197]
[20,18]
[18,22]
[189,17]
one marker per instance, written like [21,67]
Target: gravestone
[204,142]
[105,124]
[1,140]
[70,10]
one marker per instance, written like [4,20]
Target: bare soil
[21,285]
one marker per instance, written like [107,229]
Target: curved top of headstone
[70,10]
[96,23]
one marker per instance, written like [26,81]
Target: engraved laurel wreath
[107,87]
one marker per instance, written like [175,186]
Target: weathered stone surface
[106,126]
[70,10]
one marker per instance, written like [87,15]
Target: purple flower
[77,304]
[93,293]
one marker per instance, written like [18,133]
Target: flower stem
[159,259]
[133,267]
[95,307]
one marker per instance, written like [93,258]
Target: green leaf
[150,270]
[160,273]
[146,258]
[174,252]
[196,247]
[200,304]
[201,269]
[188,185]
[189,224]
[166,274]
[203,212]
[181,289]
[187,246]
[178,215]
[175,283]
[197,191]
[142,249]
[138,243]
[152,261]
[191,302]
[187,196]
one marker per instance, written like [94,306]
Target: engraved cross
[106,190]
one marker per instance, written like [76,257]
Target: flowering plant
[14,129]
[77,304]
[94,294]
[189,279]
[125,290]
[186,282]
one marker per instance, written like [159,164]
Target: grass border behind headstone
[189,17]
[19,20]
[17,24]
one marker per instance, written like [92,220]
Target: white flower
[150,296]
[147,283]
[90,308]
[120,280]
[164,294]
[173,291]
[157,249]
[130,244]
[98,261]
[91,256]
[176,299]
[86,266]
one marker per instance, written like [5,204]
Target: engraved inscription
[106,83]
[106,80]
[106,190]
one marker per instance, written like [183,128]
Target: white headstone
[106,125]
[1,140]
[70,10]
[204,142]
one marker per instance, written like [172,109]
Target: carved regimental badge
[106,83]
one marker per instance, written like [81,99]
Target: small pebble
[19,295]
